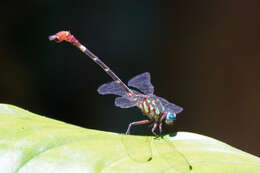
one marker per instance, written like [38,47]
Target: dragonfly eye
[170,117]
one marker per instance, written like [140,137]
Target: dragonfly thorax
[152,107]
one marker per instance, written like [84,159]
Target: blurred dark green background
[203,55]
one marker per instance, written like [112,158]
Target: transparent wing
[142,82]
[111,88]
[124,102]
[150,150]
[171,106]
[168,152]
[142,153]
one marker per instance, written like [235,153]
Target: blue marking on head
[170,117]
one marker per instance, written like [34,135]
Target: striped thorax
[152,107]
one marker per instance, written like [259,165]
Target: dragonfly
[157,109]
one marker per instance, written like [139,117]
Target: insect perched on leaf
[157,109]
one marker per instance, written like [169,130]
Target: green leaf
[31,143]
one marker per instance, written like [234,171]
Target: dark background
[203,55]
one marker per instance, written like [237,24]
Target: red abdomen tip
[61,36]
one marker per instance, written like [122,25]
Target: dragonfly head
[170,117]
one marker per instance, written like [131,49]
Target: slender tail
[67,36]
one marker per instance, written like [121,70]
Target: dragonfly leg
[163,117]
[161,122]
[160,127]
[136,123]
[155,125]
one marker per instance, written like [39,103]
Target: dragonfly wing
[125,102]
[142,82]
[147,149]
[172,157]
[171,106]
[142,153]
[111,88]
